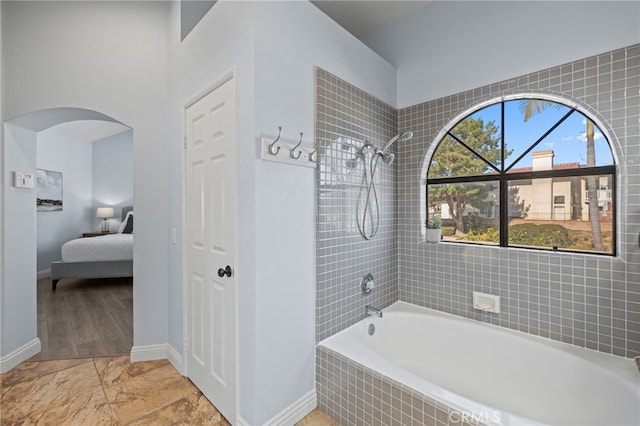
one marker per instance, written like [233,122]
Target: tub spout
[371,311]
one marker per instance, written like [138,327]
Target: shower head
[402,137]
[388,157]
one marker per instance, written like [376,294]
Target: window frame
[503,176]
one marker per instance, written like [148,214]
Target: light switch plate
[22,180]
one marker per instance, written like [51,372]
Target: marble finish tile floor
[108,391]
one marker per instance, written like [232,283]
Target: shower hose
[372,213]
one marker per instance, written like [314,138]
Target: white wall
[112,183]
[109,57]
[292,38]
[60,152]
[273,48]
[451,46]
[2,319]
[19,326]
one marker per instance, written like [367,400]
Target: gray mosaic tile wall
[586,300]
[356,395]
[346,117]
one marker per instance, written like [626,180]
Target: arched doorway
[20,220]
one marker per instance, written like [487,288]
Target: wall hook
[298,155]
[313,155]
[292,153]
[273,149]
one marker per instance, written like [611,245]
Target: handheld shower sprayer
[371,210]
[402,137]
[388,157]
[388,144]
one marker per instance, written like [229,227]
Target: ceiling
[91,130]
[77,123]
[359,17]
[363,17]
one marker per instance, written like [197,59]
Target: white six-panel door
[210,245]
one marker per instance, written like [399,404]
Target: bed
[106,256]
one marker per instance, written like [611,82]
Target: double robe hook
[292,152]
[297,154]
[273,149]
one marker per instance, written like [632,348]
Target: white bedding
[104,247]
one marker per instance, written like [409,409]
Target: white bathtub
[493,374]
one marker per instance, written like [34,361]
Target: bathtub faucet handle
[371,311]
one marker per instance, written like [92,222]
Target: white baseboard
[287,417]
[149,352]
[175,358]
[162,351]
[296,411]
[241,422]
[45,273]
[21,354]
[292,414]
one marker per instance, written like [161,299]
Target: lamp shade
[105,212]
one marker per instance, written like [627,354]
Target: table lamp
[105,213]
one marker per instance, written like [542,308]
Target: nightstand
[95,234]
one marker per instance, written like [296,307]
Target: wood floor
[93,319]
[85,318]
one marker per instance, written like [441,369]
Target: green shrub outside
[448,231]
[546,235]
[527,234]
[473,222]
[489,235]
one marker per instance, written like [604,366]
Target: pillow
[126,227]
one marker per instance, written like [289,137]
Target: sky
[567,141]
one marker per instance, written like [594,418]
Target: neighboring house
[547,199]
[558,198]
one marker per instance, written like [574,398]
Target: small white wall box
[486,302]
[22,180]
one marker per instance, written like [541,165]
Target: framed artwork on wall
[49,191]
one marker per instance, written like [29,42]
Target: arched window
[525,173]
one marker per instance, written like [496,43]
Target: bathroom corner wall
[586,300]
[345,117]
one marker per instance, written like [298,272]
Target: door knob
[226,271]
